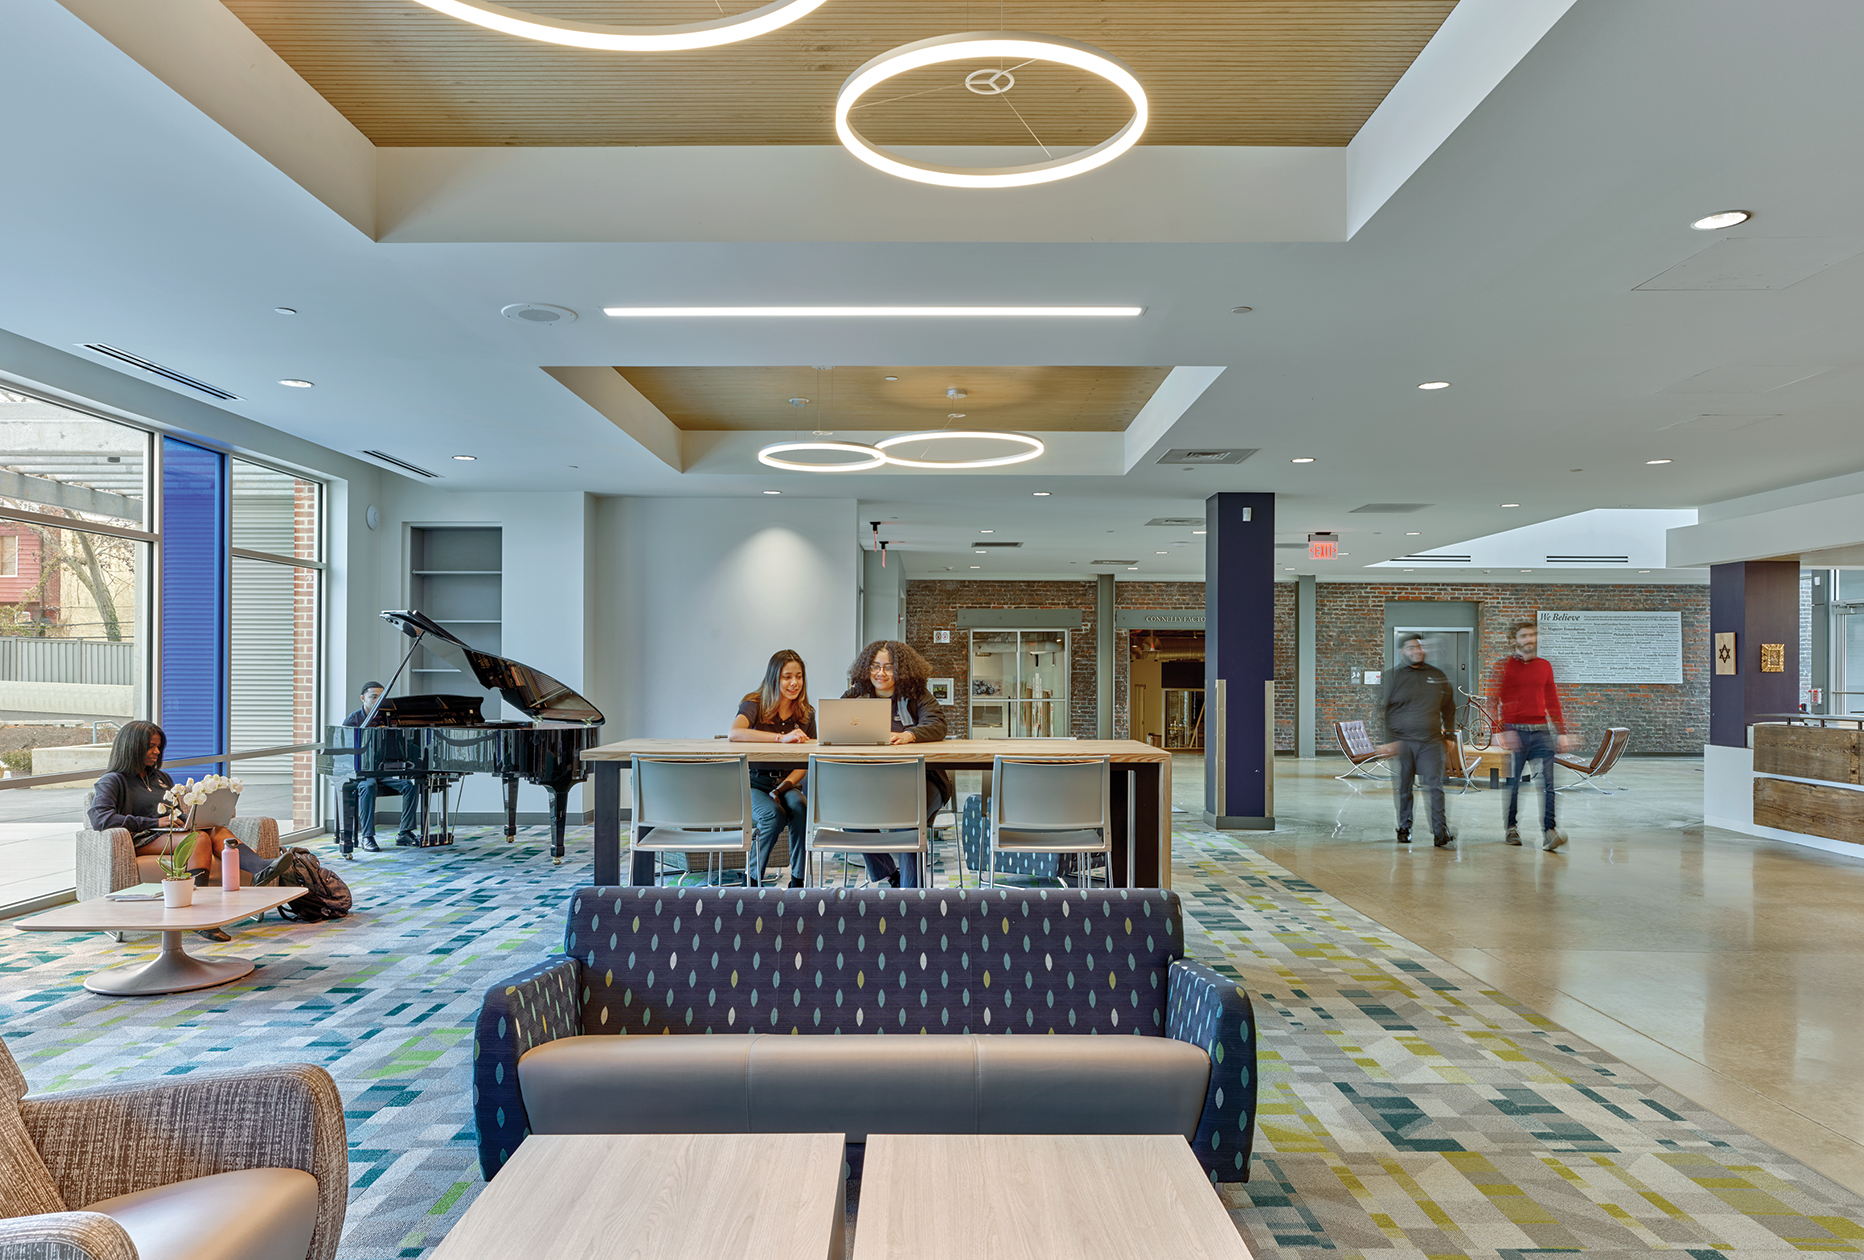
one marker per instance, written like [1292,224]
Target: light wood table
[1141,787]
[173,970]
[708,1196]
[1016,1197]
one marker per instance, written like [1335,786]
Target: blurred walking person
[1418,713]
[1532,725]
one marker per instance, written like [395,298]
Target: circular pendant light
[1033,447]
[870,457]
[605,38]
[976,46]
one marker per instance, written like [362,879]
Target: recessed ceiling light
[1040,494]
[466,458]
[1302,459]
[1511,505]
[1410,570]
[977,566]
[1657,461]
[297,384]
[1160,553]
[986,531]
[1241,310]
[1435,385]
[1412,533]
[283,310]
[1527,570]
[977,553]
[773,492]
[873,312]
[1721,219]
[1643,570]
[1200,531]
[954,415]
[1131,567]
[892,378]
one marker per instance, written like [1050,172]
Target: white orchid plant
[177,810]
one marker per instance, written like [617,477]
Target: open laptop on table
[857,722]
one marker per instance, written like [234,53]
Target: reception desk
[1141,788]
[1807,778]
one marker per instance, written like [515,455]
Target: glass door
[1848,643]
[1019,684]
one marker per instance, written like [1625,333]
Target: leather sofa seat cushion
[254,1214]
[149,868]
[757,1083]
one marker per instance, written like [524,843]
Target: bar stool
[1051,805]
[692,804]
[865,805]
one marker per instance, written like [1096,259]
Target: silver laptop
[217,809]
[854,721]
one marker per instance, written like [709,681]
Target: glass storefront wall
[79,601]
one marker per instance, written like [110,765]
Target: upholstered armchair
[107,860]
[245,1165]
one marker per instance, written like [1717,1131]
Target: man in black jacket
[362,790]
[1419,712]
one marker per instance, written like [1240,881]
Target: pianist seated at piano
[361,789]
[889,670]
[778,712]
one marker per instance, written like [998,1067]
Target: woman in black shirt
[778,712]
[890,670]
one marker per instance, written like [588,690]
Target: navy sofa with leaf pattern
[991,961]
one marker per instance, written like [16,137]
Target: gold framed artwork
[1773,658]
[1725,653]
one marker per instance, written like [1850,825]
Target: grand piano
[436,740]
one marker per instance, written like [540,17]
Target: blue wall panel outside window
[194,600]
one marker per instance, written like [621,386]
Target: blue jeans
[881,866]
[768,817]
[362,791]
[1536,745]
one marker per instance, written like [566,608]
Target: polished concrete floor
[1729,968]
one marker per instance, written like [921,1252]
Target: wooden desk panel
[749,1196]
[1015,1197]
[1808,752]
[1139,770]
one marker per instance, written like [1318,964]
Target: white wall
[695,594]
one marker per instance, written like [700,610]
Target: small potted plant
[179,805]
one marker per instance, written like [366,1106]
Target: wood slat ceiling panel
[1225,72]
[1032,399]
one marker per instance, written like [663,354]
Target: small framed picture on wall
[941,689]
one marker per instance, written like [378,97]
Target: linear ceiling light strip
[605,38]
[874,312]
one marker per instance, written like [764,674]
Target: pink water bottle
[229,866]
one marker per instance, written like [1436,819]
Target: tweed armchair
[64,1154]
[107,860]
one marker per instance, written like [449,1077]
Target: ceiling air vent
[981,545]
[1205,455]
[1434,559]
[167,374]
[1113,562]
[1178,522]
[1391,507]
[402,464]
[1291,546]
[1588,559]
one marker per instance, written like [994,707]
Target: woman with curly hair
[889,670]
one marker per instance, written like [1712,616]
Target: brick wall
[1350,629]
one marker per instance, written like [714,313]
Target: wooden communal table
[173,969]
[660,1196]
[1023,1197]
[1141,788]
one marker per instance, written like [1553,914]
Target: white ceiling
[1508,263]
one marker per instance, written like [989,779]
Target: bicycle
[1478,721]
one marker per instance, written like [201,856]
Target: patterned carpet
[1407,1111]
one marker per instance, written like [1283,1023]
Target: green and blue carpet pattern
[1407,1112]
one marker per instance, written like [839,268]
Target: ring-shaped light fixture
[872,457]
[597,35]
[977,46]
[1034,446]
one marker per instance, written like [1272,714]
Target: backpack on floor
[326,896]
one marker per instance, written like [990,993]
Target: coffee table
[173,970]
[1017,1197]
[704,1196]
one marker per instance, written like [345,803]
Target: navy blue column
[1239,651]
[194,605]
[1758,600]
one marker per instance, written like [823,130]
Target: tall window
[87,506]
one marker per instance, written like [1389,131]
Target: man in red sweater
[1532,724]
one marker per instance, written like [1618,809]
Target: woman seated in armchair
[129,796]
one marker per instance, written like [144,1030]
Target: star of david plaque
[1725,653]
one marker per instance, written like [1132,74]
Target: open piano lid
[540,696]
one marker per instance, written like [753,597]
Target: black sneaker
[214,934]
[1404,835]
[1513,837]
[408,839]
[369,845]
[1444,841]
